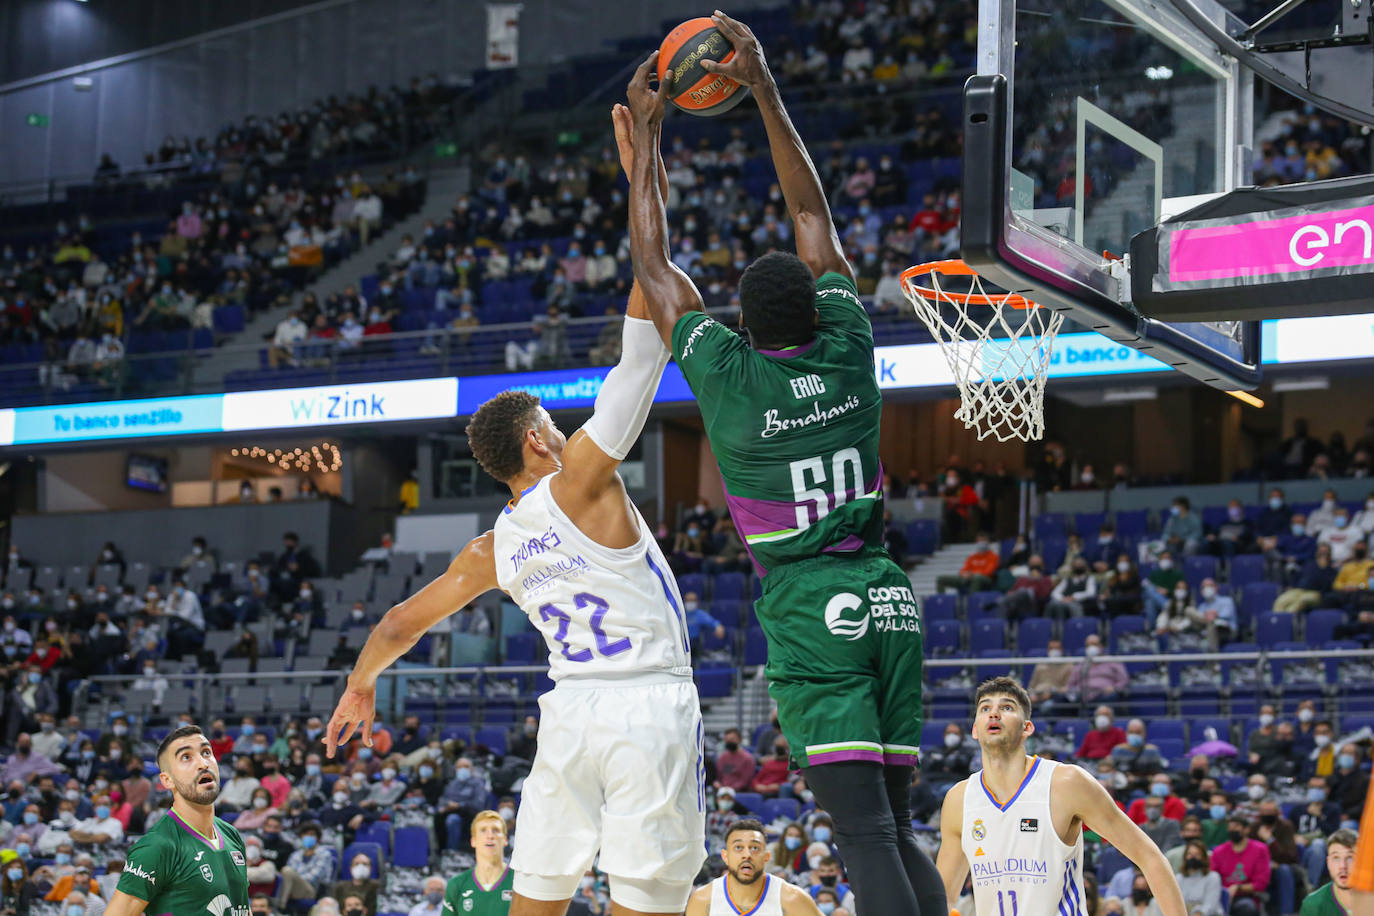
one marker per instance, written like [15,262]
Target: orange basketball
[695,90]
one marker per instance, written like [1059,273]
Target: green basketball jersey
[1322,902]
[182,873]
[794,432]
[465,896]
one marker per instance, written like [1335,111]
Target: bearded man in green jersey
[793,417]
[190,862]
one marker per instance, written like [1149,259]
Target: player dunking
[619,763]
[1018,822]
[794,425]
[746,887]
[486,888]
[190,861]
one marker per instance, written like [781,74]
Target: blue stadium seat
[522,648]
[1087,524]
[986,634]
[1051,524]
[1197,729]
[493,737]
[378,832]
[1133,523]
[755,647]
[788,809]
[1033,635]
[942,636]
[1076,632]
[715,682]
[750,800]
[982,604]
[712,643]
[1052,551]
[1321,626]
[729,586]
[1159,729]
[1172,750]
[1246,568]
[692,582]
[1197,568]
[1123,625]
[1255,599]
[1271,628]
[412,847]
[940,607]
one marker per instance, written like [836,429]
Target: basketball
[695,90]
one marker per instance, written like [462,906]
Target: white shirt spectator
[424,909]
[858,61]
[157,683]
[109,350]
[368,207]
[600,268]
[81,352]
[497,266]
[889,292]
[110,827]
[1342,541]
[404,255]
[49,744]
[1322,517]
[1364,519]
[238,792]
[186,605]
[290,330]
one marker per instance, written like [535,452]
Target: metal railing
[397,686]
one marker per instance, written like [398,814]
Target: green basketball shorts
[845,654]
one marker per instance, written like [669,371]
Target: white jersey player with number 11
[1018,823]
[619,765]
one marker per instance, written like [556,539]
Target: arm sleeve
[622,404]
[839,307]
[145,866]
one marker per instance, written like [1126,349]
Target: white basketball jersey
[770,904]
[1020,866]
[604,613]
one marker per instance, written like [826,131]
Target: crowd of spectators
[1313,146]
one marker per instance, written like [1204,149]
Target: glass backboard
[1090,121]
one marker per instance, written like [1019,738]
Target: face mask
[121,730]
[1140,895]
[1182,594]
[792,842]
[1266,720]
[725,803]
[821,834]
[1275,502]
[1166,563]
[827,907]
[361,872]
[1123,568]
[71,795]
[507,814]
[260,749]
[1341,521]
[388,774]
[1175,510]
[308,841]
[1256,792]
[1135,740]
[1235,836]
[426,771]
[1092,651]
[1322,740]
[1159,789]
[1316,795]
[364,753]
[1209,592]
[814,862]
[1153,813]
[434,898]
[76,909]
[1305,715]
[1102,722]
[340,798]
[88,755]
[953,740]
[1346,761]
[829,880]
[1298,531]
[259,802]
[30,818]
[63,858]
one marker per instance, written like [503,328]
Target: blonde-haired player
[746,887]
[486,888]
[1018,823]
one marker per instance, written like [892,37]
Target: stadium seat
[412,847]
[1320,627]
[1087,524]
[1255,599]
[1076,632]
[1134,523]
[1050,525]
[755,647]
[373,851]
[494,737]
[940,607]
[752,801]
[982,605]
[378,832]
[1033,635]
[1246,568]
[788,809]
[942,636]
[986,634]
[729,586]
[1125,625]
[692,582]
[715,682]
[1199,567]
[1271,628]
[1157,729]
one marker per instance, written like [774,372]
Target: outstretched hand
[625,145]
[355,712]
[647,105]
[748,66]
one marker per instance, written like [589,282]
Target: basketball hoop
[998,347]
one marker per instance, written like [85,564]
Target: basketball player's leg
[558,824]
[920,870]
[653,820]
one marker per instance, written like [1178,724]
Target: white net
[998,346]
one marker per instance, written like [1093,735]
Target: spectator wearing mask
[1341,537]
[1219,612]
[1123,590]
[1182,532]
[1029,592]
[26,763]
[698,619]
[237,793]
[1349,783]
[1179,615]
[719,820]
[1317,577]
[386,791]
[1050,680]
[1281,759]
[433,902]
[360,884]
[825,875]
[1244,867]
[771,780]
[1319,815]
[1160,585]
[951,761]
[735,765]
[1324,516]
[1201,886]
[464,798]
[200,553]
[1277,832]
[977,572]
[1262,739]
[1093,679]
[262,872]
[259,810]
[1075,594]
[1161,788]
[1256,792]
[1137,756]
[526,741]
[1214,825]
[1293,548]
[307,870]
[1104,737]
[1275,518]
[102,829]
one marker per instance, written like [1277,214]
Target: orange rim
[957,268]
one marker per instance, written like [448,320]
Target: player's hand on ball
[625,144]
[747,67]
[355,712]
[646,105]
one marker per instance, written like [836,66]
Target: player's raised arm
[1091,803]
[818,244]
[122,904]
[470,574]
[951,862]
[622,405]
[668,291]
